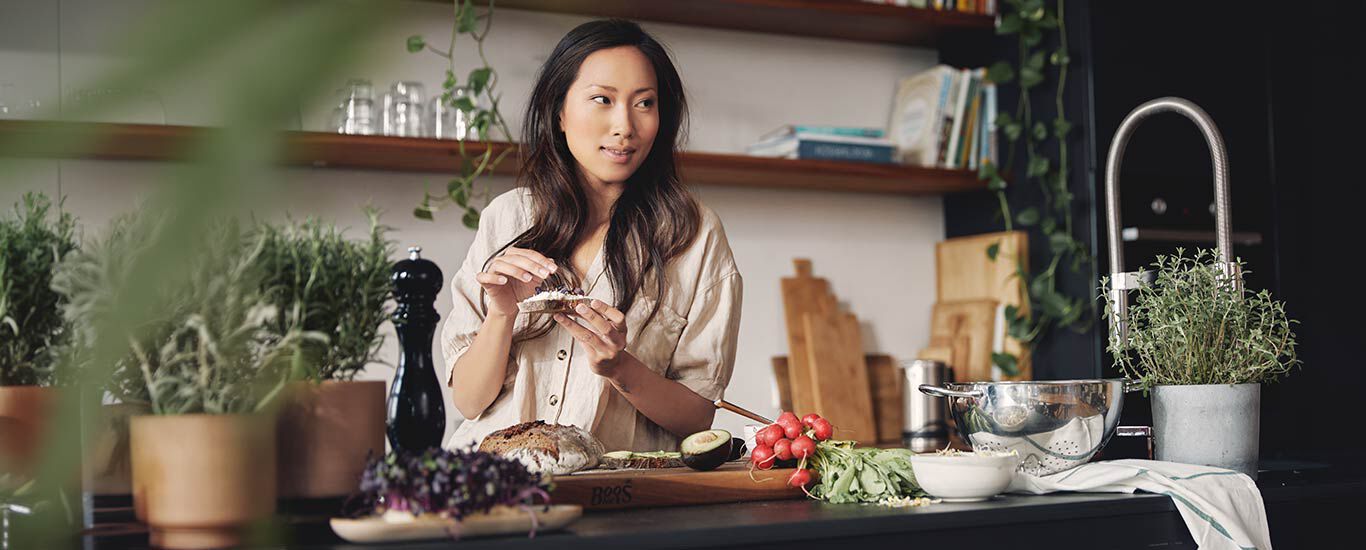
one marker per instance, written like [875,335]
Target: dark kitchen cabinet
[1273,76]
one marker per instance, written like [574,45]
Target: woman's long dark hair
[653,221]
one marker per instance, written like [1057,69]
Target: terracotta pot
[25,412]
[327,431]
[110,459]
[200,480]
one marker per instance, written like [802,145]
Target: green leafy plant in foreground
[322,283]
[208,348]
[32,243]
[1190,326]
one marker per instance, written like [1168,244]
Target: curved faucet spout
[1120,281]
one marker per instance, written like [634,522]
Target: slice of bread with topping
[558,300]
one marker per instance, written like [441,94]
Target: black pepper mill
[416,412]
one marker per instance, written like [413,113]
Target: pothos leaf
[1061,127]
[471,218]
[1040,131]
[986,171]
[1028,217]
[1038,166]
[1060,243]
[1012,131]
[1008,364]
[416,43]
[467,18]
[1010,24]
[478,79]
[1001,72]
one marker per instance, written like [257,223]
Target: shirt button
[562,354]
[554,400]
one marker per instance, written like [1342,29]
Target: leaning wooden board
[732,482]
[803,294]
[973,319]
[965,272]
[840,375]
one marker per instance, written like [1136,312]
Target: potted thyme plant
[206,366]
[1203,347]
[323,283]
[33,241]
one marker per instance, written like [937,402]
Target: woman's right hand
[513,277]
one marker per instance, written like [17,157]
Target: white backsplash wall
[876,250]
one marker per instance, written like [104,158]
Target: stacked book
[825,143]
[946,118]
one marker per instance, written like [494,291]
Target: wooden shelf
[838,19]
[151,142]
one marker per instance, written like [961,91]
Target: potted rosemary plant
[206,366]
[1203,347]
[325,284]
[32,243]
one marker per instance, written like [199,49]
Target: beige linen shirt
[692,339]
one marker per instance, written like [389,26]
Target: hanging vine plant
[1034,22]
[478,86]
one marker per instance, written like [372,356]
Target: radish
[791,431]
[769,435]
[803,447]
[783,449]
[762,457]
[799,478]
[822,429]
[786,417]
[810,420]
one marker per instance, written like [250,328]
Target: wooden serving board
[975,320]
[840,375]
[965,272]
[887,390]
[803,294]
[501,521]
[611,489]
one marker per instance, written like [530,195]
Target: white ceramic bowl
[965,477]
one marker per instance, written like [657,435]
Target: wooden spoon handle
[722,404]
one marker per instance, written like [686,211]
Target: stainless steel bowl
[1054,425]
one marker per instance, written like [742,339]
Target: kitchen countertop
[1308,506]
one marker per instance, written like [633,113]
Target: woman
[600,207]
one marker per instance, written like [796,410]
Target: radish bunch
[791,438]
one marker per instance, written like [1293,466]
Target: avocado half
[706,450]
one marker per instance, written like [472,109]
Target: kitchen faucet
[1121,282]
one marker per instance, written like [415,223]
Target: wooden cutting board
[784,385]
[834,347]
[966,321]
[965,272]
[802,294]
[610,489]
[887,388]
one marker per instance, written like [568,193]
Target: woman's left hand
[604,337]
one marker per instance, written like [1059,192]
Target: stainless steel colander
[1054,425]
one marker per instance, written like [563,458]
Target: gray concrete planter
[1212,425]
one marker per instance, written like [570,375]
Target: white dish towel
[1222,508]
